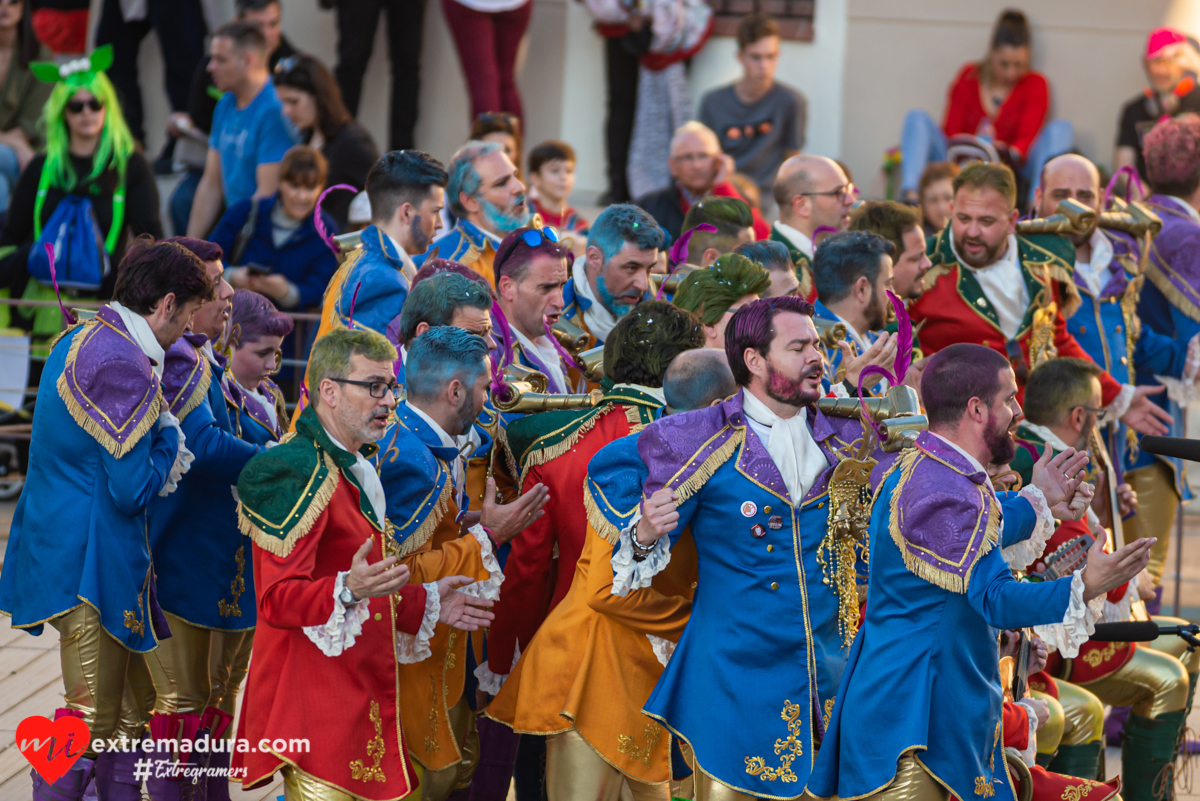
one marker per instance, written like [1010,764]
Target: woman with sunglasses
[313,102]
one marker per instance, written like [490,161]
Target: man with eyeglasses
[812,193]
[698,169]
[1062,409]
[334,602]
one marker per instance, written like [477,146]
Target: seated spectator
[774,257]
[715,293]
[748,190]
[733,221]
[22,96]
[272,244]
[552,177]
[999,99]
[698,169]
[936,192]
[313,102]
[759,121]
[196,122]
[90,153]
[1173,90]
[900,225]
[249,136]
[505,130]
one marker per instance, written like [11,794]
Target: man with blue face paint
[613,275]
[488,199]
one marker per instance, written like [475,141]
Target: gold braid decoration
[1133,332]
[849,523]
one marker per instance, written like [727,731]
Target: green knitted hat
[709,293]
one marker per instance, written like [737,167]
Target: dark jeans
[357,22]
[181,29]
[621,66]
[487,47]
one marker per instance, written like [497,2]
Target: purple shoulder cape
[108,384]
[186,375]
[1174,263]
[944,515]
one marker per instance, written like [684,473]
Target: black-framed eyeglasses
[1100,413]
[377,389]
[841,192]
[534,236]
[77,106]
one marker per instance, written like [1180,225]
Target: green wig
[116,142]
[710,292]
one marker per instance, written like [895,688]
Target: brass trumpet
[569,335]
[522,399]
[669,282]
[1132,218]
[830,332]
[347,243]
[1072,217]
[519,374]
[899,414]
[591,363]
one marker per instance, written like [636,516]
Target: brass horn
[591,362]
[1132,218]
[523,400]
[830,332]
[569,335]
[347,243]
[519,374]
[899,414]
[1072,217]
[668,283]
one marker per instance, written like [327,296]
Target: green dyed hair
[116,142]
[644,341]
[709,293]
[331,355]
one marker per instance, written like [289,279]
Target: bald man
[1106,263]
[696,379]
[698,168]
[811,192]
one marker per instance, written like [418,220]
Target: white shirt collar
[368,479]
[409,268]
[1094,272]
[446,439]
[267,404]
[801,241]
[1048,436]
[789,443]
[1004,286]
[142,334]
[971,460]
[1183,204]
[547,355]
[465,444]
[600,321]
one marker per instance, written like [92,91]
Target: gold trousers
[198,667]
[1151,682]
[1175,646]
[102,678]
[575,772]
[1157,503]
[912,783]
[436,785]
[300,786]
[1050,735]
[1083,715]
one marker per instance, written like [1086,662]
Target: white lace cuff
[629,574]
[663,648]
[183,459]
[344,624]
[1184,390]
[1078,624]
[491,682]
[1029,754]
[412,648]
[838,388]
[1024,553]
[489,589]
[1116,410]
[1119,612]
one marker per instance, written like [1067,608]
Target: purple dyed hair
[435,266]
[956,374]
[513,254]
[753,326]
[1172,150]
[204,250]
[254,317]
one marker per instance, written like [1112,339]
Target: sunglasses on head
[534,236]
[77,106]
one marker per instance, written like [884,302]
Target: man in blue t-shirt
[249,136]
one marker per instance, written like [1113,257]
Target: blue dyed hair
[621,223]
[463,176]
[441,355]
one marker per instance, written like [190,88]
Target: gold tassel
[633,415]
[596,518]
[201,389]
[710,466]
[283,547]
[539,456]
[414,541]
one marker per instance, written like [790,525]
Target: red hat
[1160,39]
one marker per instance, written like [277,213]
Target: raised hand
[366,580]
[507,520]
[882,353]
[659,516]
[462,611]
[1106,571]
[1145,416]
[1060,478]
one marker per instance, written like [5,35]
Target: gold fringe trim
[63,333]
[937,271]
[710,465]
[283,547]
[596,518]
[1164,285]
[1069,301]
[917,566]
[201,388]
[94,429]
[424,531]
[500,438]
[539,456]
[633,415]
[281,411]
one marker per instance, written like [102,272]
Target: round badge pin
[749,509]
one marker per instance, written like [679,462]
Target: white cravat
[790,444]
[800,241]
[1094,273]
[600,321]
[465,444]
[548,356]
[143,335]
[407,268]
[1004,287]
[971,460]
[368,479]
[268,406]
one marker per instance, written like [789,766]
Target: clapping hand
[1144,416]
[507,520]
[1106,571]
[366,580]
[1060,478]
[461,611]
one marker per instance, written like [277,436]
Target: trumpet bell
[347,243]
[569,335]
[1132,218]
[899,415]
[592,363]
[669,283]
[519,374]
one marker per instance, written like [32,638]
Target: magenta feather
[1134,178]
[68,315]
[563,353]
[679,251]
[507,349]
[353,302]
[904,349]
[320,225]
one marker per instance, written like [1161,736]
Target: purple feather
[507,346]
[69,316]
[563,353]
[320,226]
[824,229]
[679,251]
[353,301]
[1134,178]
[904,349]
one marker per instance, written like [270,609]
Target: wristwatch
[346,597]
